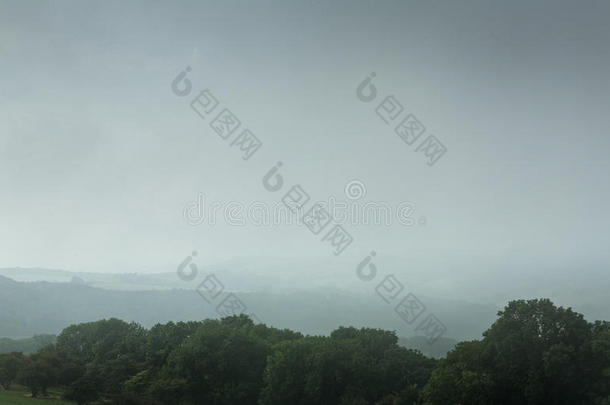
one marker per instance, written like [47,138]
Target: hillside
[31,308]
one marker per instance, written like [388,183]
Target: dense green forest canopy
[534,353]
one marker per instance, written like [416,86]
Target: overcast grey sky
[98,158]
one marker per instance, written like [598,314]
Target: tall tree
[535,353]
[9,367]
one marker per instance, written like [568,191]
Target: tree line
[534,353]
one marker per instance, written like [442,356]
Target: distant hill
[439,349]
[111,281]
[30,308]
[26,345]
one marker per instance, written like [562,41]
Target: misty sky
[98,158]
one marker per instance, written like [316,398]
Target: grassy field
[17,396]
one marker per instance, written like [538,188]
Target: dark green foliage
[9,367]
[600,347]
[221,363]
[534,354]
[133,399]
[83,390]
[461,378]
[39,371]
[352,366]
[112,350]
